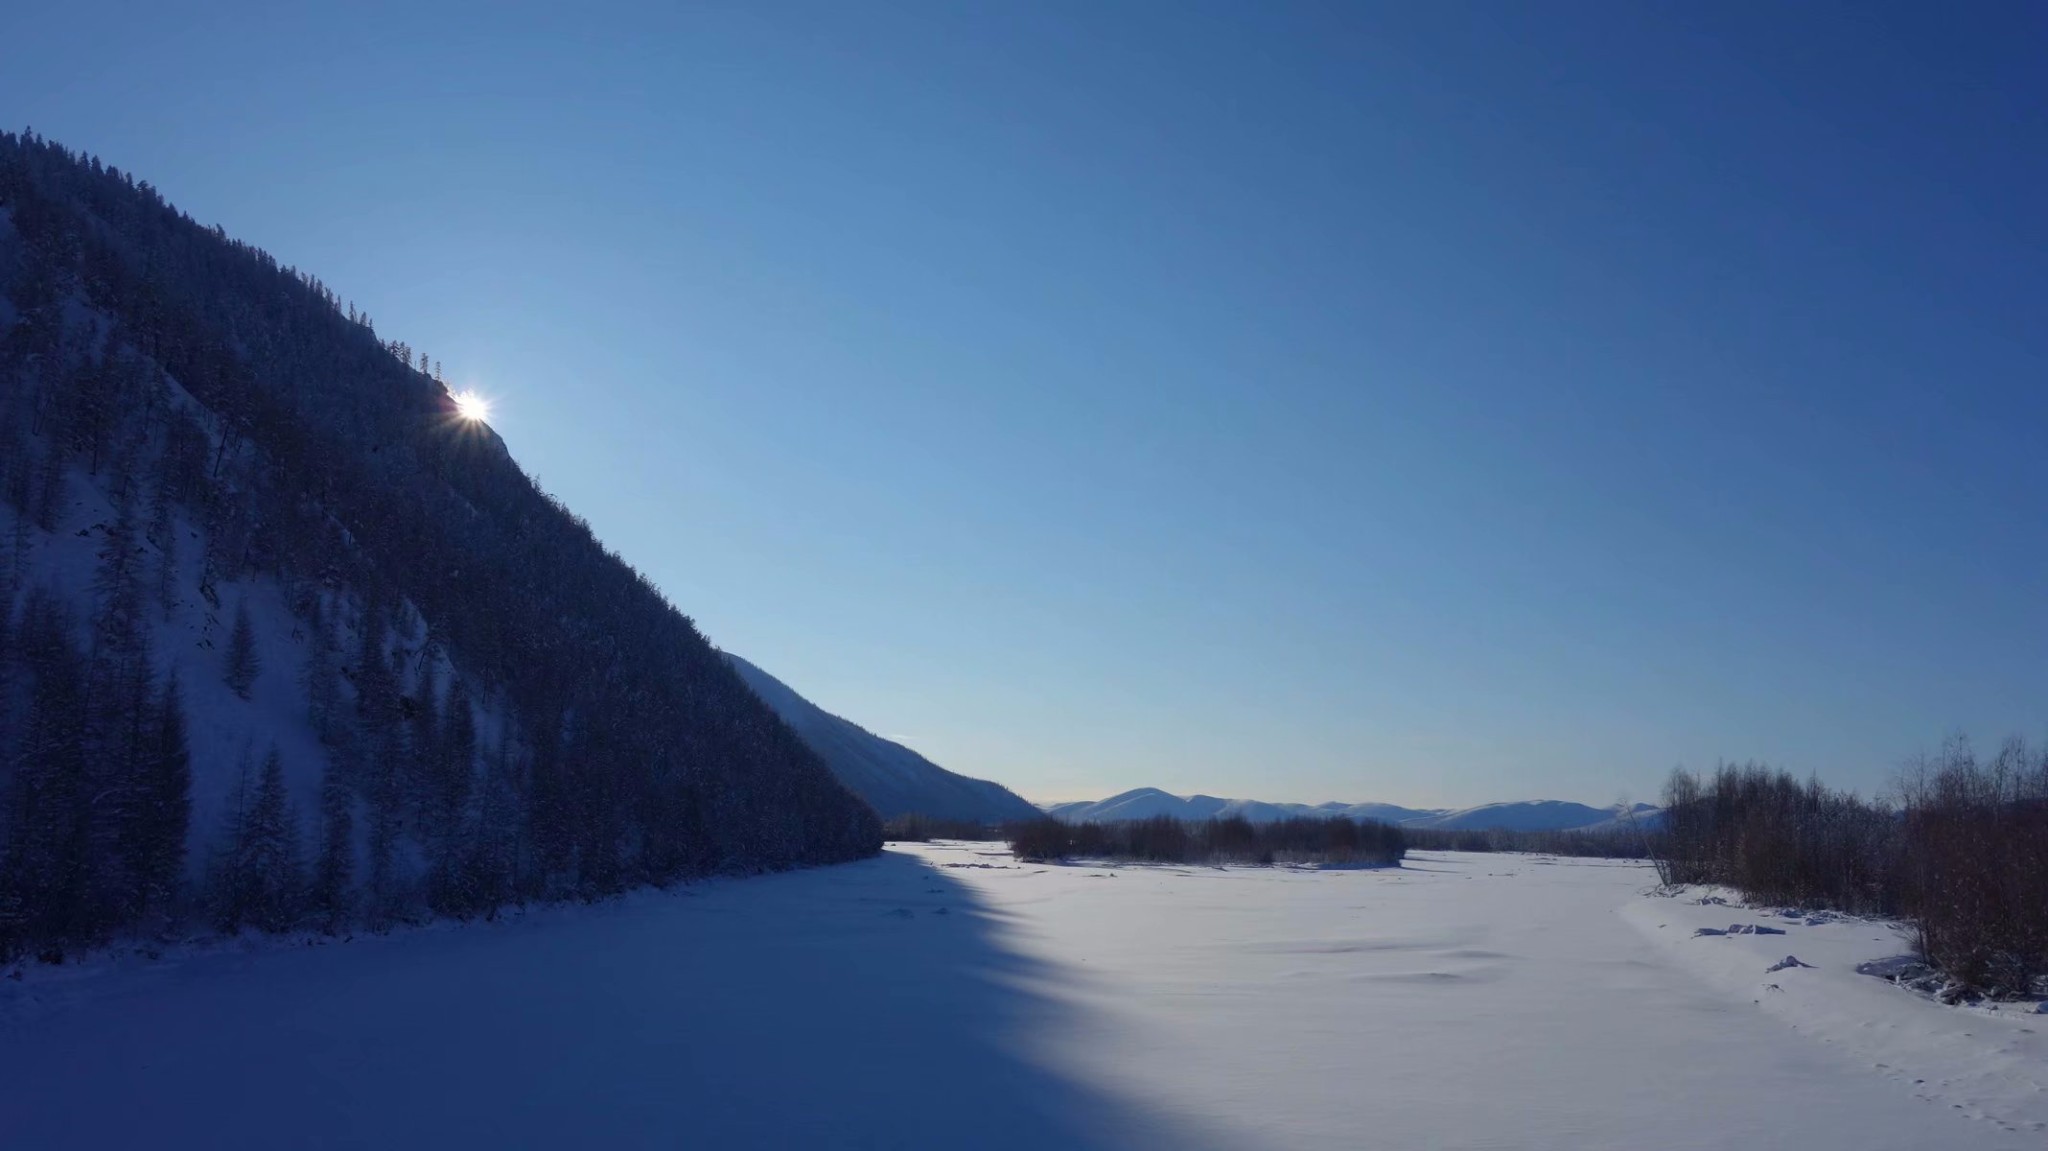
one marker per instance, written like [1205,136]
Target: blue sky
[1428,403]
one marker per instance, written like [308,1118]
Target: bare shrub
[1779,840]
[1963,853]
[1977,864]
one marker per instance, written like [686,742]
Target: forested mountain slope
[287,642]
[895,780]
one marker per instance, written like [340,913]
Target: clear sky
[1430,403]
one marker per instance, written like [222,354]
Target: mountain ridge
[1522,815]
[894,780]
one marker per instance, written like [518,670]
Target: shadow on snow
[874,1004]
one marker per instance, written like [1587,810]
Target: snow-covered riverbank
[945,995]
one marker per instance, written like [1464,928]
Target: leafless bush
[1781,841]
[1963,853]
[1977,865]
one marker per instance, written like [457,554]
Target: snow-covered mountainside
[893,779]
[285,639]
[1530,815]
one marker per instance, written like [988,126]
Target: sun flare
[472,407]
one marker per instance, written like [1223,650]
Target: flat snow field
[947,996]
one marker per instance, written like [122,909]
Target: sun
[472,407]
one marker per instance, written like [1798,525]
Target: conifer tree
[120,710]
[458,755]
[258,879]
[272,852]
[242,665]
[380,893]
[228,893]
[384,751]
[163,533]
[423,768]
[335,865]
[47,861]
[50,495]
[155,844]
[323,686]
[454,761]
[20,543]
[494,837]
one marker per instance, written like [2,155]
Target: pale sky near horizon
[1423,403]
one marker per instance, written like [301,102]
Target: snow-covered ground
[947,996]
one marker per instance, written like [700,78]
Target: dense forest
[504,710]
[1163,839]
[1635,838]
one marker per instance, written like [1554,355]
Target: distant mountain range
[892,778]
[897,781]
[1537,815]
[1528,815]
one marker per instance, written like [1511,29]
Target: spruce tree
[242,665]
[424,768]
[120,710]
[493,840]
[333,869]
[323,687]
[47,862]
[272,851]
[228,893]
[163,532]
[50,497]
[383,750]
[162,815]
[257,880]
[20,543]
[12,566]
[455,767]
